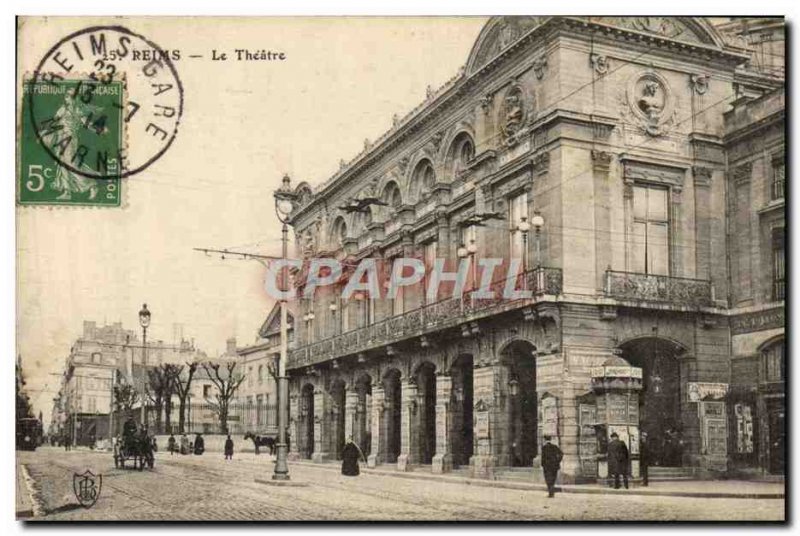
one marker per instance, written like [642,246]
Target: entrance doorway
[362,429]
[392,397]
[307,412]
[523,416]
[777,438]
[659,401]
[337,418]
[461,402]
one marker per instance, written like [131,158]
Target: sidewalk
[709,489]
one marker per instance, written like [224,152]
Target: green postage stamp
[71,144]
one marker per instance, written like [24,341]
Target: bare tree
[182,388]
[159,390]
[125,397]
[226,383]
[171,371]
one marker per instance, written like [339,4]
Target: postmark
[84,126]
[150,113]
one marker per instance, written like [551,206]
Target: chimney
[230,348]
[89,329]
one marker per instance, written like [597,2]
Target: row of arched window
[422,181]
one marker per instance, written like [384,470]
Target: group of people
[196,447]
[618,457]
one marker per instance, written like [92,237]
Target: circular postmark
[105,102]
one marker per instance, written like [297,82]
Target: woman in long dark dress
[350,456]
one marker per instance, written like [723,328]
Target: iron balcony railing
[659,288]
[429,318]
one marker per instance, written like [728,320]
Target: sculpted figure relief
[651,102]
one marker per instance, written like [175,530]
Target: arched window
[260,373]
[392,195]
[423,179]
[339,232]
[773,361]
[461,152]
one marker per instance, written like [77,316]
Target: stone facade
[612,129]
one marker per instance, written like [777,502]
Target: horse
[270,442]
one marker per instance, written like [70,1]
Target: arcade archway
[362,426]
[306,440]
[660,400]
[461,402]
[391,416]
[338,393]
[426,411]
[523,417]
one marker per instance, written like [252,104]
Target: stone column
[490,422]
[294,427]
[409,433]
[443,459]
[378,425]
[351,425]
[322,426]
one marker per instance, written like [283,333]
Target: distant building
[257,395]
[99,358]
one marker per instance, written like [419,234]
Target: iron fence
[205,419]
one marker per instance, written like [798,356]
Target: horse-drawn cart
[135,448]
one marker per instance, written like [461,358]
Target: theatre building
[632,169]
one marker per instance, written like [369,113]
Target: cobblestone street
[209,488]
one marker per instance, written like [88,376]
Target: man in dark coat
[551,463]
[350,456]
[643,458]
[171,444]
[229,448]
[618,460]
[199,445]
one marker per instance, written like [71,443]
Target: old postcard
[518,268]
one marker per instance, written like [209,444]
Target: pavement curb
[592,490]
[34,496]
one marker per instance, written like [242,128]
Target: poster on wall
[618,408]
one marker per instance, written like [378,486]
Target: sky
[245,124]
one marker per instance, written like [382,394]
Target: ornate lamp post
[524,227]
[144,321]
[284,204]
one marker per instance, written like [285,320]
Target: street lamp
[284,205]
[538,222]
[524,227]
[144,321]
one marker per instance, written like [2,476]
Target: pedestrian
[185,444]
[154,444]
[551,463]
[171,444]
[643,458]
[618,460]
[229,448]
[199,445]
[350,456]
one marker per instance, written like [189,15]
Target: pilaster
[321,427]
[409,433]
[443,459]
[378,427]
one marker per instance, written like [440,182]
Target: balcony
[444,314]
[630,286]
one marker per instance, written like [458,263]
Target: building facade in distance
[647,153]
